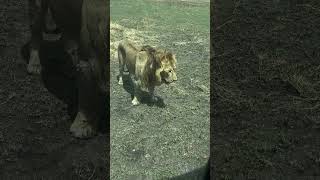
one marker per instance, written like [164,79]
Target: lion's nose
[175,78]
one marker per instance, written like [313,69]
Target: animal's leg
[136,93]
[80,127]
[152,96]
[36,21]
[50,24]
[34,66]
[87,119]
[72,49]
[121,67]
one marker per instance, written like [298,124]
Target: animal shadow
[57,73]
[60,78]
[145,97]
[202,173]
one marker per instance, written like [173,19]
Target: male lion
[84,26]
[147,66]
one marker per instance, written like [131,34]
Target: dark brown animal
[84,28]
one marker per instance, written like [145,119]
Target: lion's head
[160,68]
[168,67]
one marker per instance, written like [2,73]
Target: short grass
[161,16]
[154,142]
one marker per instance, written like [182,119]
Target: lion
[84,26]
[148,67]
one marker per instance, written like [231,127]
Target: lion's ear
[162,57]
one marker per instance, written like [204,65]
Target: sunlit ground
[152,141]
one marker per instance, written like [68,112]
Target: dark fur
[151,66]
[85,23]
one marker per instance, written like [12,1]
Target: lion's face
[168,64]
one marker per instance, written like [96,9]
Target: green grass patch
[161,16]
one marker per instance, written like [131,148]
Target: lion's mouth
[166,81]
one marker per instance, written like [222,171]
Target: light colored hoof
[80,127]
[120,82]
[135,101]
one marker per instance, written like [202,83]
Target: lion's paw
[120,82]
[80,128]
[34,69]
[34,66]
[154,99]
[135,101]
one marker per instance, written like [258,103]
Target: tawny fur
[148,67]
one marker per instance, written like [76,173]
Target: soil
[265,89]
[34,125]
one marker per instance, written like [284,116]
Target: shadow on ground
[145,97]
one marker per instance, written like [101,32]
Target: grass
[160,16]
[153,141]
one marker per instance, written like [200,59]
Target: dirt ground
[169,138]
[34,126]
[265,90]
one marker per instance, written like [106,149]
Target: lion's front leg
[34,66]
[86,121]
[36,21]
[72,49]
[81,128]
